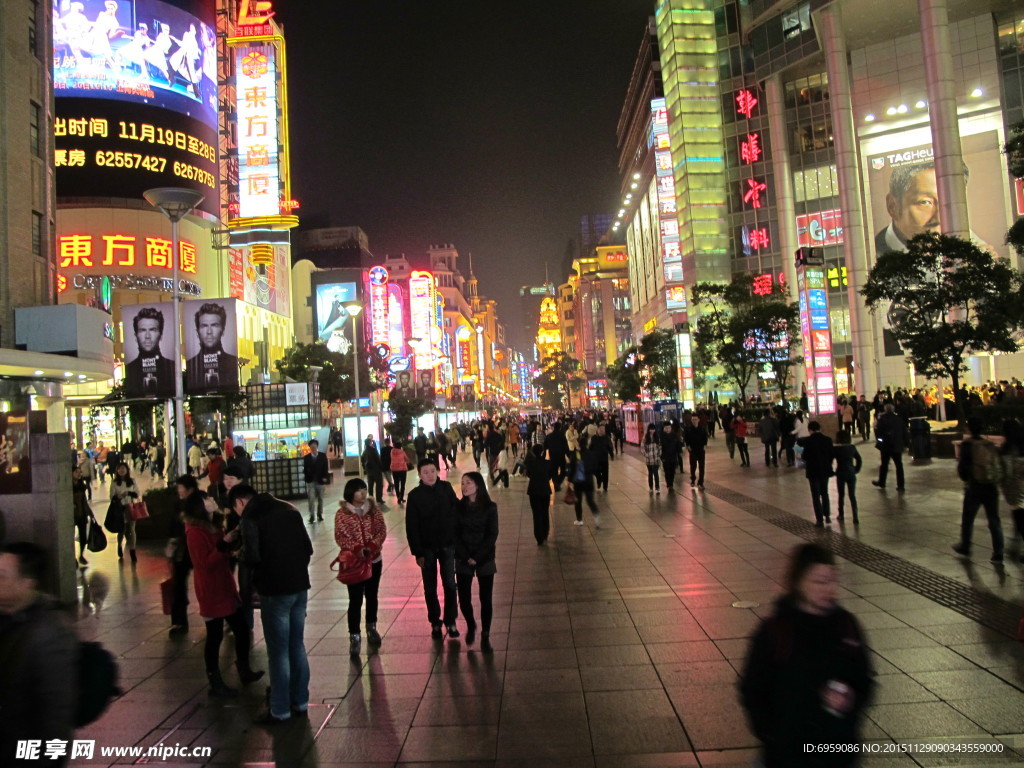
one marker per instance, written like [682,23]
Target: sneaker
[997,557]
[597,521]
[658,492]
[577,522]
[453,631]
[436,632]
[961,549]
[354,646]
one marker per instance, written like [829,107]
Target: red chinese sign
[745,103]
[750,150]
[752,194]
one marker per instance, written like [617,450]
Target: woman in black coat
[476,533]
[539,492]
[807,677]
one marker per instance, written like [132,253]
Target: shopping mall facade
[754,129]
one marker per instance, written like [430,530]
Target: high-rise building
[602,309]
[530,298]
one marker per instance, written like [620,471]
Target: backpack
[580,476]
[986,467]
[97,682]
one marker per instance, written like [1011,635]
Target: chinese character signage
[422,314]
[378,292]
[259,171]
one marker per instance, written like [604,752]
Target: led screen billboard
[144,52]
[333,323]
[904,201]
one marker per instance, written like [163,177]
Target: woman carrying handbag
[359,531]
[124,491]
[79,493]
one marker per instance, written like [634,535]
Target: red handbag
[167,595]
[352,569]
[137,510]
[570,496]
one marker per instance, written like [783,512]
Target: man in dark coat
[277,547]
[670,448]
[696,438]
[374,469]
[430,531]
[818,462]
[769,429]
[889,440]
[316,473]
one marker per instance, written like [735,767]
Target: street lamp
[176,203]
[354,308]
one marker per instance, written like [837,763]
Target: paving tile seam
[987,609]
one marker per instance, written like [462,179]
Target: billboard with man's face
[904,200]
[149,355]
[209,328]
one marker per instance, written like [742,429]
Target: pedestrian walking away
[818,469]
[360,531]
[316,473]
[374,469]
[739,430]
[670,450]
[651,449]
[980,468]
[399,470]
[581,480]
[539,492]
[1012,486]
[430,532]
[848,464]
[889,441]
[476,534]
[696,438]
[807,677]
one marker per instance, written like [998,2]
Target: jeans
[697,458]
[399,476]
[849,485]
[539,505]
[315,494]
[486,589]
[819,496]
[744,448]
[883,471]
[652,477]
[375,481]
[215,636]
[584,489]
[367,589]
[284,622]
[771,453]
[977,495]
[445,560]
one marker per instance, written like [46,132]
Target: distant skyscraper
[593,228]
[530,298]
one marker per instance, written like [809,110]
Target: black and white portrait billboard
[149,355]
[210,330]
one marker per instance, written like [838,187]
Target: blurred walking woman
[359,528]
[476,534]
[807,678]
[210,552]
[124,490]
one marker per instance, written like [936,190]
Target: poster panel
[15,459]
[210,330]
[149,354]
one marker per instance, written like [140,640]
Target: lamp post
[354,308]
[176,203]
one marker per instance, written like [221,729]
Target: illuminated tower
[549,336]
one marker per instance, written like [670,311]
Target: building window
[796,21]
[807,90]
[815,183]
[37,233]
[34,137]
[33,29]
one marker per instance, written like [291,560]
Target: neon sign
[822,228]
[752,195]
[254,18]
[750,150]
[422,309]
[81,251]
[379,328]
[745,103]
[259,170]
[817,337]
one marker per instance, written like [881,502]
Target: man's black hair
[212,309]
[241,491]
[31,559]
[424,462]
[149,313]
[187,482]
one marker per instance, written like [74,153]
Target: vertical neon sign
[259,170]
[378,278]
[816,331]
[421,312]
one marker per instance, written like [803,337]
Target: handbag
[167,595]
[137,510]
[96,540]
[352,569]
[570,496]
[114,520]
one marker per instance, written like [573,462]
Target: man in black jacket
[316,473]
[670,448]
[818,462]
[430,530]
[277,547]
[696,438]
[889,439]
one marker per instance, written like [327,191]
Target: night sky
[489,126]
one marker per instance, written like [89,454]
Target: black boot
[485,642]
[120,552]
[218,689]
[131,554]
[247,674]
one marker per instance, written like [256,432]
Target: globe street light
[176,203]
[354,308]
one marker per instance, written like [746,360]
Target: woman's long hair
[194,512]
[651,435]
[483,498]
[127,479]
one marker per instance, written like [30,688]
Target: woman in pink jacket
[359,531]
[210,551]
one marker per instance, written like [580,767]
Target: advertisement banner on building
[821,228]
[262,285]
[904,200]
[333,323]
[15,459]
[210,330]
[149,354]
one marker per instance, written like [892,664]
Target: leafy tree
[336,375]
[1014,149]
[624,376]
[558,379]
[946,299]
[658,352]
[743,331]
[405,411]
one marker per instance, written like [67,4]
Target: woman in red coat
[210,551]
[359,530]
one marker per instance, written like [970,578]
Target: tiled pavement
[616,647]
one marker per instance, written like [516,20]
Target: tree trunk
[961,413]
